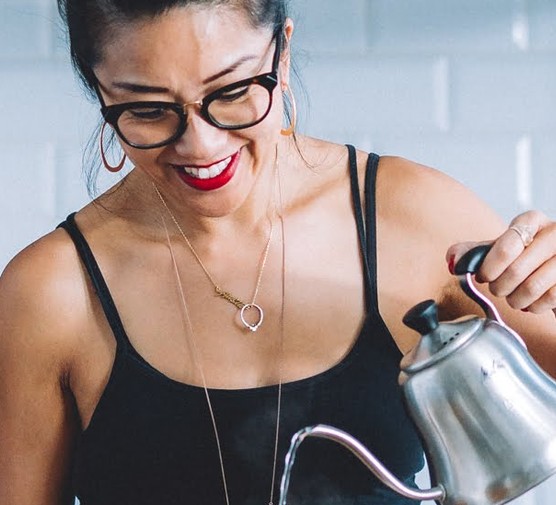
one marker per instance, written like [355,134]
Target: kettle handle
[469,264]
[472,260]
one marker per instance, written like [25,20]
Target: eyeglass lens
[238,107]
[148,125]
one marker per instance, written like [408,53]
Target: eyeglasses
[147,125]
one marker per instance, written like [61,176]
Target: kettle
[485,410]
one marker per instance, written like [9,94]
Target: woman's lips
[209,177]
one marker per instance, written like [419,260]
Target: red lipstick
[211,183]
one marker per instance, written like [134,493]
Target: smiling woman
[165,343]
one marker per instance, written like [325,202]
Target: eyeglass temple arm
[97,86]
[279,36]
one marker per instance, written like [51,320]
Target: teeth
[215,170]
[208,172]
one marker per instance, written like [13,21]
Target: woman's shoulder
[423,196]
[41,264]
[43,298]
[409,195]
[401,176]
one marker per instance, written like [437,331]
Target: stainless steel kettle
[485,410]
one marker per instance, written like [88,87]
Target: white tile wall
[439,26]
[509,93]
[373,93]
[25,30]
[466,86]
[543,29]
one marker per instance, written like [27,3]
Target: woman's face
[181,56]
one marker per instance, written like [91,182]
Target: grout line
[520,25]
[441,90]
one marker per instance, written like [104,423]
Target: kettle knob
[423,317]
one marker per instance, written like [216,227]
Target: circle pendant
[247,324]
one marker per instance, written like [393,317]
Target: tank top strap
[370,226]
[366,229]
[361,219]
[97,279]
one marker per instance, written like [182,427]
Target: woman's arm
[513,276]
[38,420]
[435,216]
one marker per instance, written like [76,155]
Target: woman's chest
[151,435]
[311,300]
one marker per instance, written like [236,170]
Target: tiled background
[467,86]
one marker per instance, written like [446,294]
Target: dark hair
[91,23]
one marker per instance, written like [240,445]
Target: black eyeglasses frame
[269,81]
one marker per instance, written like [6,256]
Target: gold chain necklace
[243,307]
[200,369]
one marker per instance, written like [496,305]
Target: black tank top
[151,442]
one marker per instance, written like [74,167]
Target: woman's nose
[200,138]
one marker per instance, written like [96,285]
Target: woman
[164,344]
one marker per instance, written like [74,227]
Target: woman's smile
[209,177]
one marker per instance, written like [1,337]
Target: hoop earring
[290,130]
[107,165]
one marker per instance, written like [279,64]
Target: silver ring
[524,232]
[247,324]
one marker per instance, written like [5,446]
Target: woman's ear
[285,56]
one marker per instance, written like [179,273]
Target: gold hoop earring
[290,130]
[107,165]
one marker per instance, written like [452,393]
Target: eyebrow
[141,88]
[230,69]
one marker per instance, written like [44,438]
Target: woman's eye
[148,114]
[234,95]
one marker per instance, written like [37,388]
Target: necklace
[243,307]
[198,365]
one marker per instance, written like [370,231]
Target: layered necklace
[193,341]
[244,308]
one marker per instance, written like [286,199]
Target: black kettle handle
[472,260]
[468,265]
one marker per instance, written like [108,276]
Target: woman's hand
[521,266]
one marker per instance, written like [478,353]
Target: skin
[56,355]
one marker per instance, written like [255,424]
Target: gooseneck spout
[364,455]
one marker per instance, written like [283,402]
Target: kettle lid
[438,340]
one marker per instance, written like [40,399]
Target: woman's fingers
[521,265]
